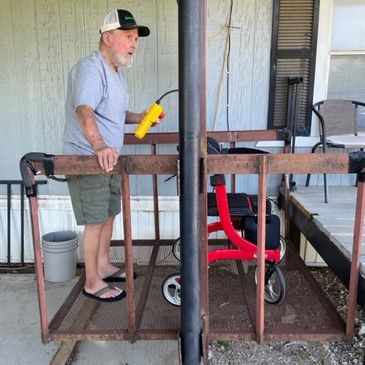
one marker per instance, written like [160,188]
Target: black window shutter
[293,54]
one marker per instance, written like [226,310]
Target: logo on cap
[123,19]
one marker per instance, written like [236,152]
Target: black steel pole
[190,87]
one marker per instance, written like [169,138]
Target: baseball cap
[123,19]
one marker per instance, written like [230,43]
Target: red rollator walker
[237,218]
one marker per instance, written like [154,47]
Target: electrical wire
[228,62]
[220,88]
[216,34]
[167,93]
[225,67]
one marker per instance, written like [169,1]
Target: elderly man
[96,112]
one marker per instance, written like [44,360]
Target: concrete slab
[124,353]
[20,330]
[19,317]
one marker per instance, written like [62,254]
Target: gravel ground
[300,352]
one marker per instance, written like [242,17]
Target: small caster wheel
[171,289]
[274,284]
[176,249]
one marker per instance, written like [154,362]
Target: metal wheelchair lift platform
[233,305]
[305,314]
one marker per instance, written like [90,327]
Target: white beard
[123,62]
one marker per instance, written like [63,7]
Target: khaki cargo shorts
[94,198]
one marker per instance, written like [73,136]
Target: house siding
[42,39]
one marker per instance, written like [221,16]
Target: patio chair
[338,128]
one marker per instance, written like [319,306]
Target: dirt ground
[300,352]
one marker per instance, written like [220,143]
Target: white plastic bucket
[60,256]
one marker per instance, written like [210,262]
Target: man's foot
[110,273]
[105,295]
[118,276]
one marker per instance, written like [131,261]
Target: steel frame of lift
[194,165]
[167,164]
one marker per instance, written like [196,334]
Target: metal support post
[190,87]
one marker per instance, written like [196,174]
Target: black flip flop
[96,296]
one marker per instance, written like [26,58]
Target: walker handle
[26,168]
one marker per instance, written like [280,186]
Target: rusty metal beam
[260,290]
[136,164]
[122,335]
[221,136]
[150,165]
[245,136]
[156,209]
[127,225]
[38,260]
[279,163]
[216,164]
[355,257]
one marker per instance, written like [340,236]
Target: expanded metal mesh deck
[306,314]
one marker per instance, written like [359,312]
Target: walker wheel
[171,289]
[274,284]
[176,249]
[282,247]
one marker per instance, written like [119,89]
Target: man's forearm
[86,116]
[133,118]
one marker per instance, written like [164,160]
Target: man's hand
[136,118]
[158,121]
[154,124]
[107,157]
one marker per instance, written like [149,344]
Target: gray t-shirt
[93,82]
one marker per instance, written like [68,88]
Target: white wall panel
[42,39]
[249,64]
[55,214]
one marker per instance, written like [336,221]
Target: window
[346,78]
